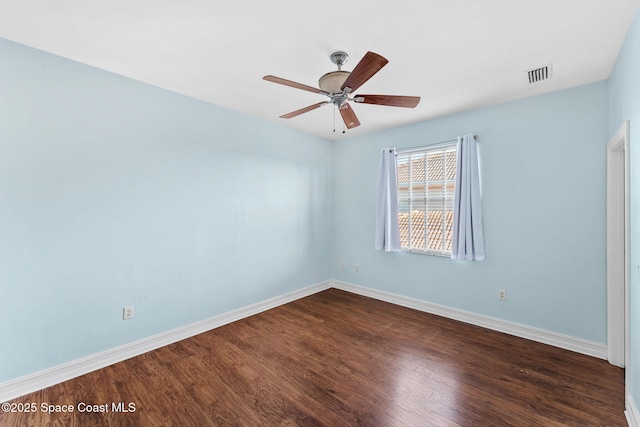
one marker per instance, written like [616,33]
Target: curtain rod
[434,145]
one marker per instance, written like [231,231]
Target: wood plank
[339,359]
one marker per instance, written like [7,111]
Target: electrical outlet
[502,295]
[127,312]
[357,268]
[342,265]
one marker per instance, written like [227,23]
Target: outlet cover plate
[127,312]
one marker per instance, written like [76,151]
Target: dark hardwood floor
[339,359]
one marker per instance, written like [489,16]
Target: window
[426,183]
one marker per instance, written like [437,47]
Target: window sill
[432,253]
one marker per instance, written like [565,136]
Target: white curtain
[468,241]
[387,234]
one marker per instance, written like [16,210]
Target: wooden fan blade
[303,110]
[349,116]
[392,100]
[366,68]
[293,84]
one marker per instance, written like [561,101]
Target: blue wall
[542,163]
[624,88]
[116,193]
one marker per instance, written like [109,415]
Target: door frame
[618,247]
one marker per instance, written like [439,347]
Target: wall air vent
[538,74]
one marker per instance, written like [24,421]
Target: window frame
[446,200]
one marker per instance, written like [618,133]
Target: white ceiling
[455,54]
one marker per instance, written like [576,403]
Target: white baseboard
[39,380]
[567,342]
[631,412]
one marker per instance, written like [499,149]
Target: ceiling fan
[338,86]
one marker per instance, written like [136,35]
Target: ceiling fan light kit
[333,81]
[337,85]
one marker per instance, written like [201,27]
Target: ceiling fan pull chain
[334,118]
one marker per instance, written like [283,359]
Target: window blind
[426,183]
